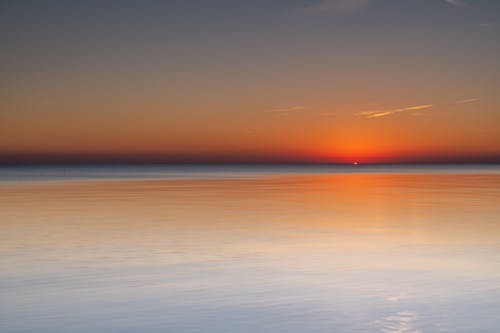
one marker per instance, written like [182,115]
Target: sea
[250,248]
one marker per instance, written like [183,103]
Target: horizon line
[250,159]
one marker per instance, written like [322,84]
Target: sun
[355,163]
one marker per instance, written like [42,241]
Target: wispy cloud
[467,101]
[458,3]
[294,108]
[384,113]
[327,6]
[489,25]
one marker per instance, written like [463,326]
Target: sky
[250,81]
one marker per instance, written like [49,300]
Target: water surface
[250,249]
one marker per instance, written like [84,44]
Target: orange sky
[309,84]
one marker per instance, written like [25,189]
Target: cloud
[458,3]
[288,109]
[327,6]
[467,101]
[383,113]
[489,25]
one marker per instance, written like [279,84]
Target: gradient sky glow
[233,80]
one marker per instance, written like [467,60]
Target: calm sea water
[250,249]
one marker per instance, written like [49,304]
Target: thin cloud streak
[384,113]
[467,101]
[327,6]
[457,3]
[294,108]
[489,25]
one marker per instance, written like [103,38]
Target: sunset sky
[250,81]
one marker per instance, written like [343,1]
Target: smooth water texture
[242,249]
